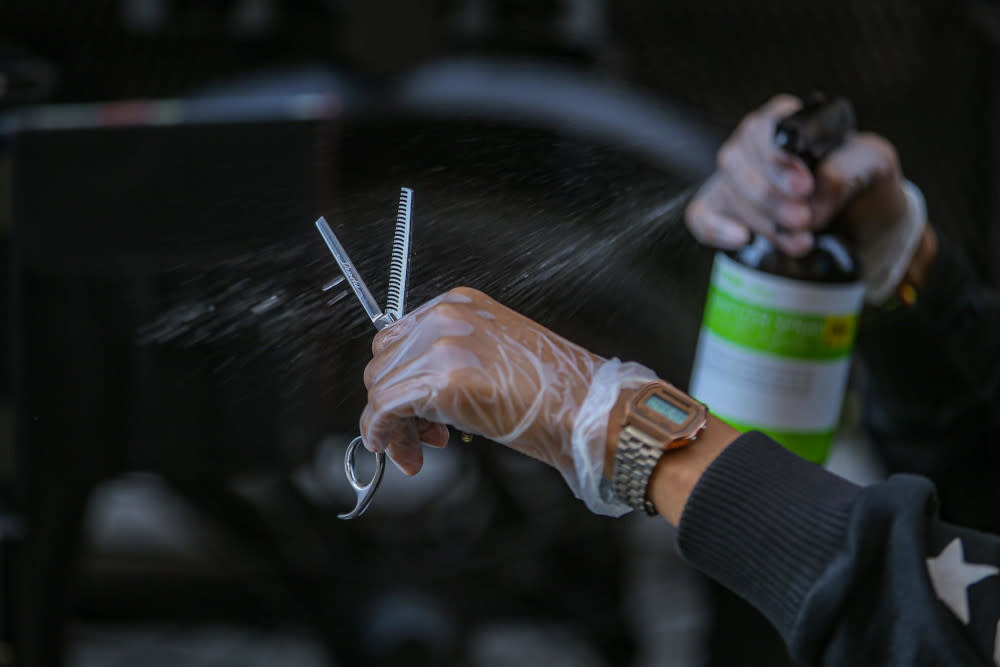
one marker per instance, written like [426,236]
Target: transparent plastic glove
[762,189]
[467,361]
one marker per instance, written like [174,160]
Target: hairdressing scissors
[399,274]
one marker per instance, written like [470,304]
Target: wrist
[915,276]
[887,250]
[645,426]
[677,473]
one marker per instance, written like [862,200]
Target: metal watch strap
[635,458]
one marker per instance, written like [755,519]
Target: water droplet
[337,298]
[333,283]
[266,305]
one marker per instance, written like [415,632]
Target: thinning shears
[399,274]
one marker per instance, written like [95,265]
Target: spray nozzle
[815,130]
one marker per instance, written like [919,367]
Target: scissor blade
[378,318]
[399,267]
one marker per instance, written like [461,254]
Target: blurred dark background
[178,390]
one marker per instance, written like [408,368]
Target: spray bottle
[775,346]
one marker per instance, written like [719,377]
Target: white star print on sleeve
[951,577]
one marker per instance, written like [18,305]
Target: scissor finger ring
[365,492]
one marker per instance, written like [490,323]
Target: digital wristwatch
[658,418]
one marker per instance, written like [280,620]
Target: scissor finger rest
[365,492]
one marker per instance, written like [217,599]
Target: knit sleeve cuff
[765,524]
[947,279]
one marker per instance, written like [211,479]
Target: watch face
[667,414]
[663,405]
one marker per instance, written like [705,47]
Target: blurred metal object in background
[24,78]
[242,18]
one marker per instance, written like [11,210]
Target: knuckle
[706,234]
[783,100]
[701,235]
[467,293]
[369,375]
[448,310]
[727,157]
[780,105]
[755,123]
[379,342]
[695,212]
[759,223]
[374,408]
[883,147]
[701,228]
[741,130]
[708,193]
[758,187]
[836,183]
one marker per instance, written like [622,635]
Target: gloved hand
[760,188]
[465,360]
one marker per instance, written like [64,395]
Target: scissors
[399,275]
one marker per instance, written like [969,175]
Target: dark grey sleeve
[932,390]
[848,575]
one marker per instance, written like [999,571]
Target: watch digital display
[674,413]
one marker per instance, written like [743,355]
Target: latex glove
[763,189]
[467,361]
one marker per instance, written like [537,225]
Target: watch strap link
[635,458]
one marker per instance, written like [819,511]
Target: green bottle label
[774,354]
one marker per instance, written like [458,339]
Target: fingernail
[410,459]
[794,215]
[795,183]
[733,235]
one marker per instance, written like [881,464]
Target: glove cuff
[590,431]
[884,261]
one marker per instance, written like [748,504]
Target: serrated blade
[399,266]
